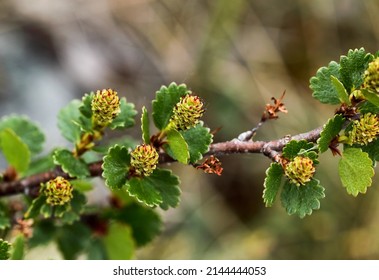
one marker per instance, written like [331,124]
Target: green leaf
[313,155]
[321,84]
[302,200]
[161,188]
[78,202]
[85,106]
[85,125]
[372,149]
[43,232]
[72,211]
[329,132]
[73,239]
[27,130]
[272,183]
[71,165]
[293,148]
[355,169]
[178,146]
[125,118]
[35,208]
[46,210]
[96,250]
[16,152]
[353,67]
[341,91]
[145,223]
[116,167]
[118,242]
[168,186]
[91,156]
[4,222]
[371,96]
[82,185]
[85,118]
[368,107]
[166,99]
[144,191]
[125,141]
[18,248]
[68,119]
[5,247]
[68,217]
[58,210]
[4,217]
[198,139]
[40,165]
[145,126]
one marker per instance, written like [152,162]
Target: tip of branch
[271,110]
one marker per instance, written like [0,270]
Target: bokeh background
[236,55]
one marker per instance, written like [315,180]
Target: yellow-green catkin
[187,112]
[371,76]
[58,191]
[364,130]
[144,160]
[300,170]
[105,107]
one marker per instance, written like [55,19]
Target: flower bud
[58,191]
[300,170]
[371,76]
[105,107]
[144,159]
[364,130]
[187,112]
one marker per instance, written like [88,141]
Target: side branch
[236,146]
[30,185]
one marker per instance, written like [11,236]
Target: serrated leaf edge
[104,162]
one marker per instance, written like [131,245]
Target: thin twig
[270,113]
[30,185]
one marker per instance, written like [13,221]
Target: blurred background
[236,55]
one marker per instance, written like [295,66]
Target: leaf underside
[355,169]
[178,146]
[272,183]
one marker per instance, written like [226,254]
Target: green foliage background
[236,55]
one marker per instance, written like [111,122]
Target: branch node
[271,153]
